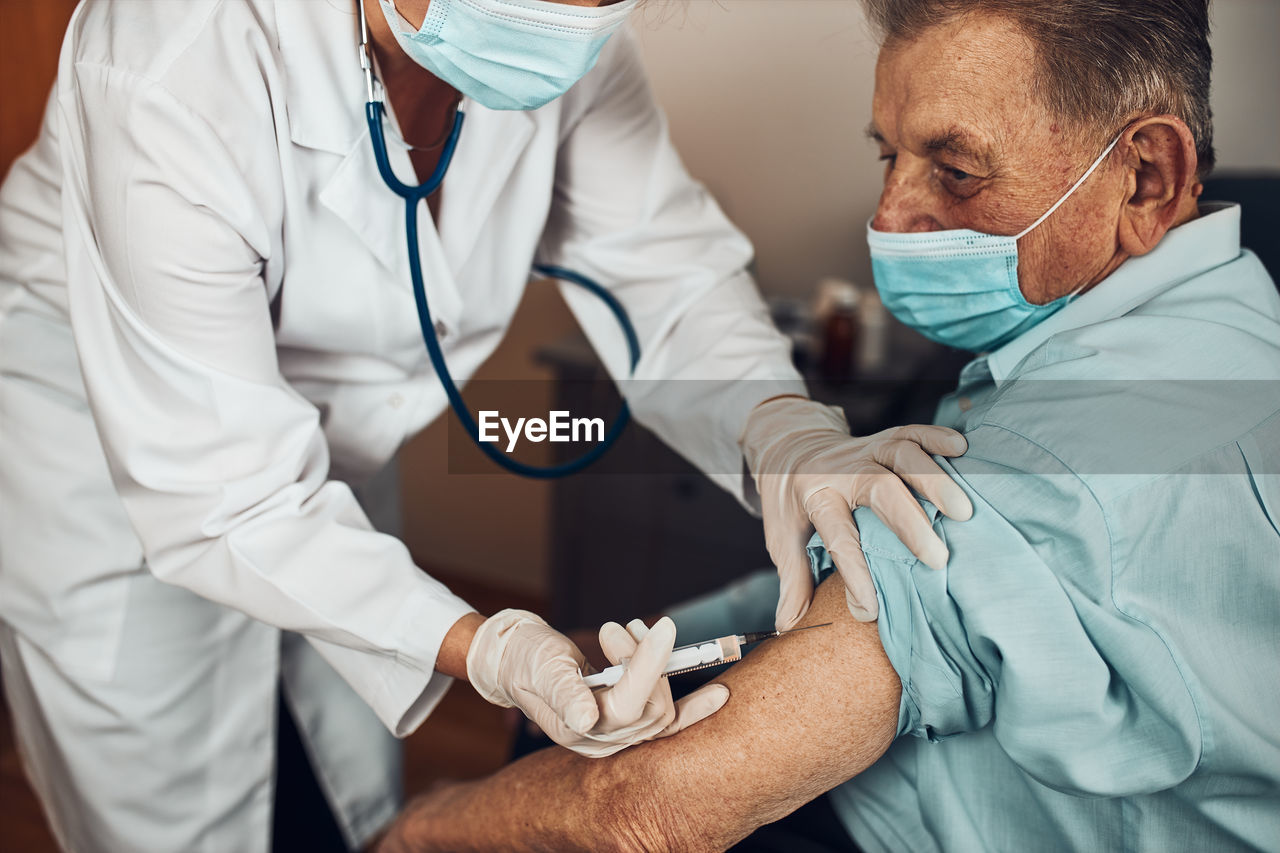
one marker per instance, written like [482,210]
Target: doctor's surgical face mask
[508,54]
[960,287]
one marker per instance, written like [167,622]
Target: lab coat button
[965,404]
[395,401]
[442,331]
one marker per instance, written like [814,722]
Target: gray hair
[1100,63]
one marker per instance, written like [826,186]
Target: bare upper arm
[806,712]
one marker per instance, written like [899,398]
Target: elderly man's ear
[1161,183]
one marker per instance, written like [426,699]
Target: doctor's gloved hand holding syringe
[514,659]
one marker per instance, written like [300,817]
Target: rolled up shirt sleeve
[1020,633]
[222,466]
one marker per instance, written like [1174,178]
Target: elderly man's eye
[958,182]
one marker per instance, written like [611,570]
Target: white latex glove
[811,473]
[516,659]
[626,645]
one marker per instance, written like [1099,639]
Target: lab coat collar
[1208,241]
[487,154]
[319,47]
[319,44]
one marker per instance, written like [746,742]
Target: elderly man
[1096,669]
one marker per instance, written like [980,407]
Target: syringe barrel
[687,656]
[682,658]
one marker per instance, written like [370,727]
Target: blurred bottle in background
[842,333]
[838,315]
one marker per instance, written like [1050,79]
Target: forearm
[544,802]
[552,801]
[452,659]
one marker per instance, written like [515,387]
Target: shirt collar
[1210,240]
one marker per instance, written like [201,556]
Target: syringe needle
[806,628]
[757,636]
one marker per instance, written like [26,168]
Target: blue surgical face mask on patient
[508,54]
[960,287]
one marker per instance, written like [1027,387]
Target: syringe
[696,655]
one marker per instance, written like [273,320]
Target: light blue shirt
[1098,668]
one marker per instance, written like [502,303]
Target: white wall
[768,100]
[1246,83]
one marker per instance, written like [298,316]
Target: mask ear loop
[1096,163]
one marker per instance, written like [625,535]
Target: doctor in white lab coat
[209,349]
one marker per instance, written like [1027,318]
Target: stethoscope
[413,195]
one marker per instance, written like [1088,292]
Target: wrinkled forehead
[971,80]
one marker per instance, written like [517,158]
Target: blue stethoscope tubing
[413,196]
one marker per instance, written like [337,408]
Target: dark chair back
[1258,194]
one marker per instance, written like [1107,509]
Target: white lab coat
[203,223]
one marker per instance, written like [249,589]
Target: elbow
[633,816]
[653,829]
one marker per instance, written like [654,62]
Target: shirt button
[965,404]
[395,401]
[442,331]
